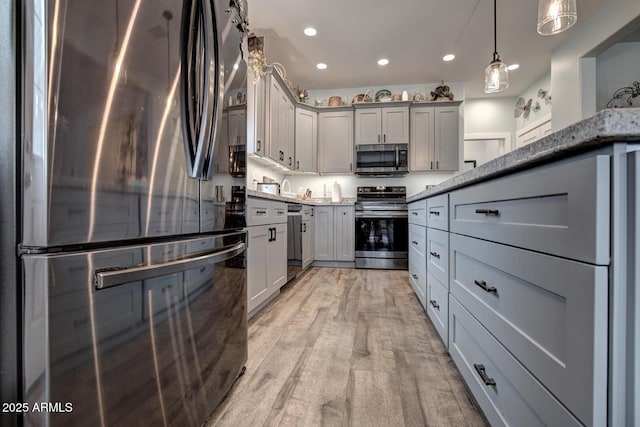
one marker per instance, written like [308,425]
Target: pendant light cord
[495,29]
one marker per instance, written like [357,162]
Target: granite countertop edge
[347,201]
[604,127]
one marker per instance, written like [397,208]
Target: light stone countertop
[603,128]
[347,201]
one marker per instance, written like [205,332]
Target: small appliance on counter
[268,187]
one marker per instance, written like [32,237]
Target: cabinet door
[395,125]
[257,286]
[221,150]
[255,116]
[422,133]
[307,243]
[344,233]
[368,123]
[306,140]
[273,120]
[237,127]
[447,138]
[324,250]
[335,144]
[277,257]
[290,130]
[283,128]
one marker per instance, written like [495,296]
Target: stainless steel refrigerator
[132,280]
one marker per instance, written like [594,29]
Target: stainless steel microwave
[382,159]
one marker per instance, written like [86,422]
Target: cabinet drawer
[262,212]
[550,313]
[438,212]
[418,275]
[418,239]
[561,210]
[516,398]
[418,212]
[438,307]
[438,255]
[307,213]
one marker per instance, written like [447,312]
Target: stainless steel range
[382,228]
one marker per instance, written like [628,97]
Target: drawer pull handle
[434,304]
[435,213]
[484,286]
[483,374]
[435,254]
[261,212]
[488,212]
[415,276]
[414,213]
[414,242]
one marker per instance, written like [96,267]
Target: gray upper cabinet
[335,141]
[306,140]
[237,125]
[256,98]
[435,137]
[388,125]
[280,123]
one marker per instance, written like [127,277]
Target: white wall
[573,64]
[617,67]
[531,92]
[489,115]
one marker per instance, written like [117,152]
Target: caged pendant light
[555,16]
[496,76]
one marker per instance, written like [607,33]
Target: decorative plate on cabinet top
[383,95]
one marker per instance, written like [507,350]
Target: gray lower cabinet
[335,141]
[417,250]
[335,237]
[507,393]
[266,250]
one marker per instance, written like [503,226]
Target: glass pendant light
[555,16]
[496,76]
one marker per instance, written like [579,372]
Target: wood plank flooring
[345,347]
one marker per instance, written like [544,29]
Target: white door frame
[506,139]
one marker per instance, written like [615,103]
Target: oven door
[381,239]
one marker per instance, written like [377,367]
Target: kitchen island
[528,267]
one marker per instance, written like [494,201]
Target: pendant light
[555,16]
[496,76]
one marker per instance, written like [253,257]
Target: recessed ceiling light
[449,57]
[310,31]
[321,66]
[383,61]
[513,67]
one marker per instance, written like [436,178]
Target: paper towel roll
[336,196]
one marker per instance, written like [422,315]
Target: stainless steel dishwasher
[294,240]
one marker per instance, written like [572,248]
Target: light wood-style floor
[345,347]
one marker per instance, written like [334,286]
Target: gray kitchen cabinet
[435,137]
[221,150]
[335,240]
[237,125]
[280,123]
[324,240]
[377,125]
[256,112]
[266,249]
[417,250]
[306,140]
[344,222]
[308,235]
[335,141]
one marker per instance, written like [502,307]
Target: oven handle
[381,214]
[113,277]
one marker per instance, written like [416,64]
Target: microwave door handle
[213,17]
[104,279]
[397,157]
[187,80]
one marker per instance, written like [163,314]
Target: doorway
[479,148]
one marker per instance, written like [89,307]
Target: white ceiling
[413,34]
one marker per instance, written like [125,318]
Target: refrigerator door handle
[104,279]
[188,93]
[211,15]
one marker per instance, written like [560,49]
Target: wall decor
[544,95]
[442,93]
[624,95]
